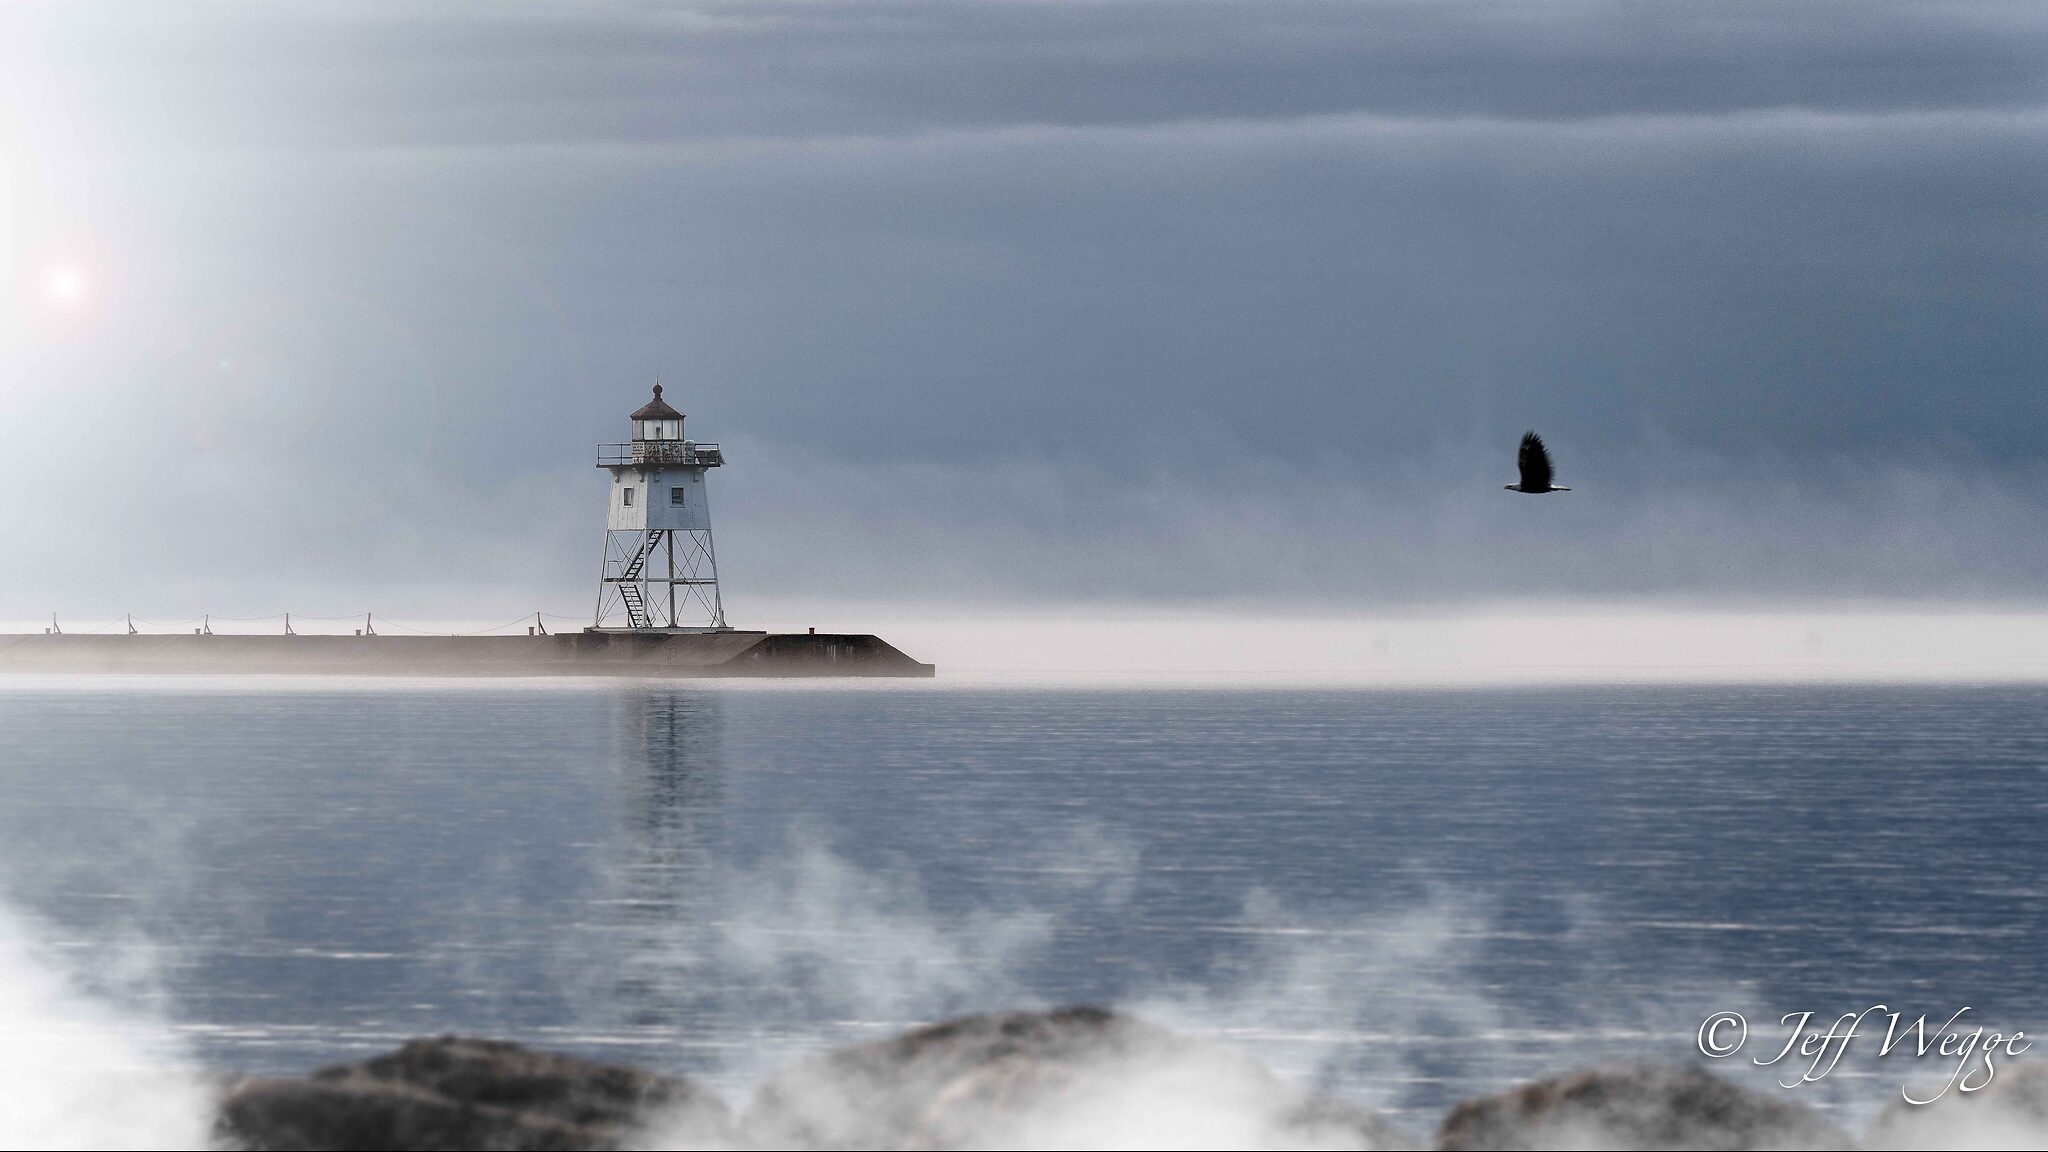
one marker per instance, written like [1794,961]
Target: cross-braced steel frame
[659,579]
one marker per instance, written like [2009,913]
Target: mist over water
[1398,897]
[85,1067]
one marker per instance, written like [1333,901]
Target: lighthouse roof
[657,409]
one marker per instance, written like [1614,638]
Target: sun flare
[67,285]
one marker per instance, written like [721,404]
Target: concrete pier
[678,655]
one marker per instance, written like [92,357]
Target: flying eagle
[1535,465]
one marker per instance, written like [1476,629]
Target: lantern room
[657,420]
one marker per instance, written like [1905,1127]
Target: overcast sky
[326,305]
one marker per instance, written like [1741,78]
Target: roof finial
[657,388]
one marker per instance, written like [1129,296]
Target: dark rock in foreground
[456,1093]
[1071,1078]
[1646,1107]
[1074,1077]
[884,1095]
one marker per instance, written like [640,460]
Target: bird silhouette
[1535,464]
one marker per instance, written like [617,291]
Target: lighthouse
[660,572]
[658,609]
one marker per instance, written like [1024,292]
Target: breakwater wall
[661,655]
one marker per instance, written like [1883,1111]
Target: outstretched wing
[1535,464]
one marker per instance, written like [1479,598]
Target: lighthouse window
[675,497]
[629,497]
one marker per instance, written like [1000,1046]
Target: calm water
[1411,894]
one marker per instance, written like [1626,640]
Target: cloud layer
[1106,300]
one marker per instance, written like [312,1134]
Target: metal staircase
[636,607]
[628,582]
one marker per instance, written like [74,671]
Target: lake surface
[1404,895]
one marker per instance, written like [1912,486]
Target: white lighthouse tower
[660,573]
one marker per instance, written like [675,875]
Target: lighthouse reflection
[669,756]
[669,750]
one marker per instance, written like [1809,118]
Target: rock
[458,1093]
[1637,1106]
[877,1095]
[2010,1112]
[1071,1078]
